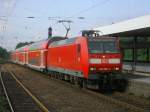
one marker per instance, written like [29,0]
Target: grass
[148,97]
[2,61]
[4,107]
[131,93]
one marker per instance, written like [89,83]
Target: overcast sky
[15,26]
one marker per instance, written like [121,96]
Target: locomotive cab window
[95,47]
[102,46]
[110,47]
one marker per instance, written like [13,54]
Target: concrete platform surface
[139,85]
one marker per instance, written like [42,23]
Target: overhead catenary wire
[40,32]
[9,10]
[89,8]
[100,3]
[83,11]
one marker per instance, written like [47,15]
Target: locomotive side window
[102,46]
[78,48]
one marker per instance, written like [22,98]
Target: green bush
[4,107]
[3,53]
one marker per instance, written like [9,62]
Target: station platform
[139,85]
[140,68]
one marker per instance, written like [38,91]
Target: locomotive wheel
[84,83]
[77,83]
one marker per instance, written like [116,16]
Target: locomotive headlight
[117,68]
[114,61]
[92,69]
[94,61]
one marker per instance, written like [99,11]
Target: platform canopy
[139,26]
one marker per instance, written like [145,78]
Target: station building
[134,36]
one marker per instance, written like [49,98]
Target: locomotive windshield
[102,46]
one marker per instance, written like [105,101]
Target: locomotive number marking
[104,60]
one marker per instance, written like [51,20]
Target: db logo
[104,60]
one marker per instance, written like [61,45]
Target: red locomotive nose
[104,55]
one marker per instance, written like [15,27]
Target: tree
[21,44]
[3,53]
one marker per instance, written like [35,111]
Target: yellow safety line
[32,96]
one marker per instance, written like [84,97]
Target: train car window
[37,45]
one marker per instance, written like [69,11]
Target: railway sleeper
[19,99]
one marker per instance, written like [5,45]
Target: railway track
[127,102]
[20,99]
[123,100]
[131,103]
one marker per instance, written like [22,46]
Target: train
[89,61]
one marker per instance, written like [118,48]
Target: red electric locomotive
[90,60]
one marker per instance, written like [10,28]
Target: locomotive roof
[64,41]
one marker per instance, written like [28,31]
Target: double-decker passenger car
[19,55]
